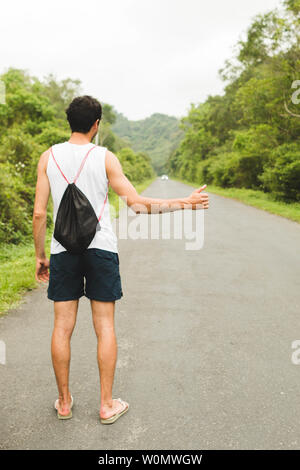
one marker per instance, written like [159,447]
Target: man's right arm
[140,204]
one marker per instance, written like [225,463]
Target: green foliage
[136,166]
[293,5]
[156,135]
[60,94]
[248,138]
[108,114]
[282,177]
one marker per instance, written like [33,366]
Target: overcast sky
[140,56]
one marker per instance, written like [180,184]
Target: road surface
[204,344]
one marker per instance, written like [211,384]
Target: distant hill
[156,135]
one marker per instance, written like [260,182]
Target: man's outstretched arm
[39,218]
[141,204]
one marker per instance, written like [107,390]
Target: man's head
[84,114]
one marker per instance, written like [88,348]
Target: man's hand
[197,197]
[42,269]
[39,218]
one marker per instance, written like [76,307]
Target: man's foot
[64,407]
[117,406]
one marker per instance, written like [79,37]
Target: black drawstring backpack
[76,222]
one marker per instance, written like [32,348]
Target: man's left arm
[39,219]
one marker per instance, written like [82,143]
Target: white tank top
[92,181]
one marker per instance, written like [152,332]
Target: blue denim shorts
[94,273]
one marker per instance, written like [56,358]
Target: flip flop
[116,416]
[68,416]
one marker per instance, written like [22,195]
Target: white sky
[140,56]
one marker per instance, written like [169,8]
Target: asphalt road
[205,343]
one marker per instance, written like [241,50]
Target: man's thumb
[200,189]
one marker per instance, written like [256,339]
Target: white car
[164,177]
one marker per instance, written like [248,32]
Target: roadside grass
[17,269]
[254,198]
[17,262]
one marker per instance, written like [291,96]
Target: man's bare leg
[64,323]
[103,320]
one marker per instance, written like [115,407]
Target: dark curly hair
[83,112]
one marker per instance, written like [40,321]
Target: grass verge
[17,268]
[254,198]
[17,262]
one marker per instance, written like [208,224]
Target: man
[99,264]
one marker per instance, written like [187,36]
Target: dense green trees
[157,135]
[249,137]
[31,120]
